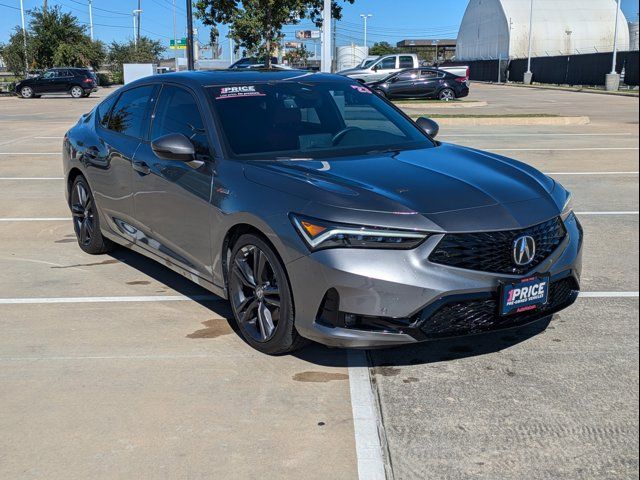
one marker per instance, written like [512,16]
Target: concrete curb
[441,104]
[512,121]
[535,86]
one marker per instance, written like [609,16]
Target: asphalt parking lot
[115,367]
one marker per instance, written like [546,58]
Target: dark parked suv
[77,82]
[422,83]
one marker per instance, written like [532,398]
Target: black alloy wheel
[261,298]
[86,223]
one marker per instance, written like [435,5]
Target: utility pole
[91,19]
[24,38]
[190,60]
[528,76]
[138,30]
[175,36]
[326,37]
[612,81]
[136,19]
[365,18]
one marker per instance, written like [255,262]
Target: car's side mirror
[375,68]
[432,128]
[174,146]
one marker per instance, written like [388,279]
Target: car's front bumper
[365,298]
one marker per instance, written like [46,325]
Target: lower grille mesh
[476,316]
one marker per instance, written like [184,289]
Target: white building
[500,28]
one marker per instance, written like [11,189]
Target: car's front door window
[177,112]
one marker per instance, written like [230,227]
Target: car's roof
[235,77]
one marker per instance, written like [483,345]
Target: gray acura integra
[320,210]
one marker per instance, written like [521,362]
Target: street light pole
[175,36]
[365,18]
[138,30]
[612,81]
[190,59]
[91,19]
[326,37]
[24,38]
[528,76]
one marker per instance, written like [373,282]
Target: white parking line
[30,153]
[31,178]
[607,213]
[30,219]
[591,173]
[205,298]
[125,299]
[365,418]
[539,135]
[589,149]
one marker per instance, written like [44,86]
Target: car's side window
[406,62]
[177,112]
[408,76]
[50,74]
[102,112]
[128,115]
[388,64]
[429,74]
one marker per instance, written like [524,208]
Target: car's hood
[457,188]
[351,71]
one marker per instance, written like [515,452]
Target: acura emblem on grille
[524,250]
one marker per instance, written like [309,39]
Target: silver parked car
[320,210]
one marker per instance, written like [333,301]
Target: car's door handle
[141,167]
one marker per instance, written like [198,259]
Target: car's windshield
[310,120]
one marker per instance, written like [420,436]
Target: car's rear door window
[128,115]
[406,62]
[177,112]
[102,112]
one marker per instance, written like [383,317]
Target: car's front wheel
[261,298]
[447,95]
[26,92]
[76,92]
[86,222]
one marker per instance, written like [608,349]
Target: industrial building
[494,29]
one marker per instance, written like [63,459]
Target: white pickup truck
[388,64]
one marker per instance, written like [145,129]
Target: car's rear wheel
[26,92]
[76,92]
[86,222]
[261,298]
[447,95]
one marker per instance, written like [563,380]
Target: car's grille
[476,316]
[493,251]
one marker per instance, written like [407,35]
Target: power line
[9,6]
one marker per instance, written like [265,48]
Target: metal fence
[586,69]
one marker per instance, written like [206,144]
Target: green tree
[256,25]
[12,52]
[146,51]
[59,40]
[54,39]
[298,56]
[382,48]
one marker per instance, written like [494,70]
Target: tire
[26,92]
[447,95]
[261,298]
[86,222]
[76,91]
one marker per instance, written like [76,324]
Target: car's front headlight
[568,206]
[320,234]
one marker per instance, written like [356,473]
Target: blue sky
[392,20]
